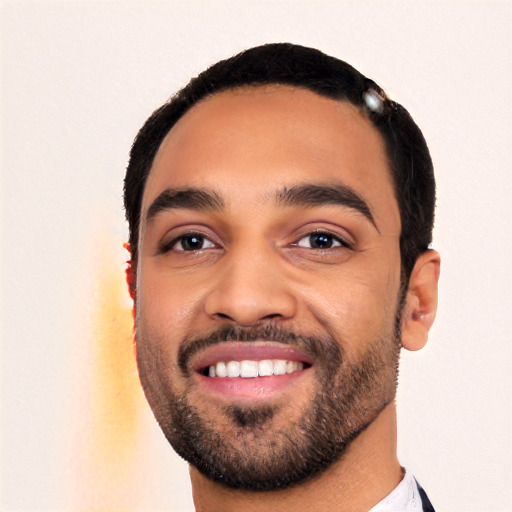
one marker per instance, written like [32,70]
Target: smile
[259,370]
[251,369]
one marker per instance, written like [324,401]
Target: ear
[130,275]
[421,300]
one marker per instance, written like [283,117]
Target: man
[280,210]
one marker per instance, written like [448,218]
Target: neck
[366,474]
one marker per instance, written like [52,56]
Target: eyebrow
[307,196]
[311,195]
[189,198]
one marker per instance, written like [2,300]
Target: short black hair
[307,68]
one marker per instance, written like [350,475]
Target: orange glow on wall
[116,383]
[106,445]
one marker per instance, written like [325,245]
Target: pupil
[321,241]
[192,243]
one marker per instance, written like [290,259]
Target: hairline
[271,85]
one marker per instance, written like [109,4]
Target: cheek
[165,311]
[357,303]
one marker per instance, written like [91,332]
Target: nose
[250,288]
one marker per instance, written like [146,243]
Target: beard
[251,448]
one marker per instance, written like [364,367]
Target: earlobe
[421,301]
[130,277]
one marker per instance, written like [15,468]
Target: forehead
[248,142]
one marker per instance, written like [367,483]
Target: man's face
[268,245]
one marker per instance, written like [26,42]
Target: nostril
[224,316]
[246,305]
[273,316]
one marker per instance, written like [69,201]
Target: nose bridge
[250,285]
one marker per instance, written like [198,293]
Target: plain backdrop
[78,80]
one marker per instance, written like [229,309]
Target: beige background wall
[78,80]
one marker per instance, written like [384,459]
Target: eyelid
[346,240]
[337,239]
[174,244]
[167,244]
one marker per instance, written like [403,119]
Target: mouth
[247,369]
[250,370]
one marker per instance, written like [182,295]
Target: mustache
[319,347]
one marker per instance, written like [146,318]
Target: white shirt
[405,497]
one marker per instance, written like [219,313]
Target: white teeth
[250,369]
[265,368]
[220,370]
[233,369]
[279,367]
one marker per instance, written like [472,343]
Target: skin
[246,145]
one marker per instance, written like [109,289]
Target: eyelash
[343,244]
[169,246]
[166,247]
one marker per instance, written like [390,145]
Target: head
[306,68]
[280,210]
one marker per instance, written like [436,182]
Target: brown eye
[192,242]
[321,241]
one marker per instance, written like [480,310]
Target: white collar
[405,497]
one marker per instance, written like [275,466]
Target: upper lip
[252,351]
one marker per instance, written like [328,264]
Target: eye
[190,242]
[321,240]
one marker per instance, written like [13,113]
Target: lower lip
[257,388]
